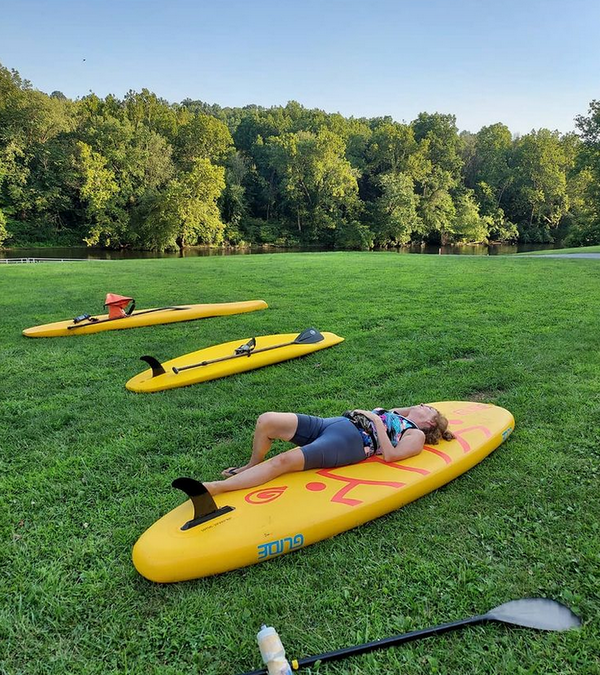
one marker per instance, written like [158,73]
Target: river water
[103,254]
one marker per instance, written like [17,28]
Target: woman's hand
[410,444]
[369,414]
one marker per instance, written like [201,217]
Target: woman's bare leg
[257,474]
[270,426]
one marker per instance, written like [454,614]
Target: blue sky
[528,64]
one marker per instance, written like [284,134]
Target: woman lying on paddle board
[323,443]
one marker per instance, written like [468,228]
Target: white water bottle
[272,651]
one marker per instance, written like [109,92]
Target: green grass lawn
[85,465]
[579,249]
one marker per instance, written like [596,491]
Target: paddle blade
[540,613]
[309,336]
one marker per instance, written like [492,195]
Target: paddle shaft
[380,644]
[144,311]
[234,356]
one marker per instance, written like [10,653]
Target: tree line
[143,173]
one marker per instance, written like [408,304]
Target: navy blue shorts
[328,442]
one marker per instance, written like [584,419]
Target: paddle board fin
[205,507]
[155,364]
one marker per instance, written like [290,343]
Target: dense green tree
[438,215]
[98,191]
[258,124]
[354,235]
[390,147]
[584,187]
[14,177]
[233,201]
[539,196]
[202,137]
[468,225]
[29,121]
[55,183]
[195,195]
[436,211]
[137,159]
[488,171]
[443,142]
[589,127]
[468,151]
[3,230]
[500,228]
[490,163]
[143,172]
[146,109]
[358,135]
[186,213]
[318,182]
[395,212]
[583,219]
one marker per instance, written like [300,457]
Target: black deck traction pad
[205,508]
[247,348]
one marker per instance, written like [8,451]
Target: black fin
[155,364]
[204,505]
[197,492]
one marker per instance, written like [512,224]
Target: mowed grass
[579,249]
[86,465]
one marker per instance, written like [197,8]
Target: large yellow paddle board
[226,362]
[298,509]
[144,317]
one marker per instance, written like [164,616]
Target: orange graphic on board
[459,433]
[340,498]
[265,495]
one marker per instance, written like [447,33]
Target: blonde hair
[439,431]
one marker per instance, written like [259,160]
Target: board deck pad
[145,382]
[145,317]
[298,509]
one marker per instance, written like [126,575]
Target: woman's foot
[214,487]
[252,475]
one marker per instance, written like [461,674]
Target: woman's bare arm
[410,444]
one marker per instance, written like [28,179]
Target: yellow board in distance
[145,317]
[223,360]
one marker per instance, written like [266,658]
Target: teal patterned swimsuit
[395,426]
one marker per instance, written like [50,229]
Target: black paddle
[93,322]
[307,337]
[539,613]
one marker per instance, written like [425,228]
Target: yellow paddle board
[299,509]
[144,317]
[225,361]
